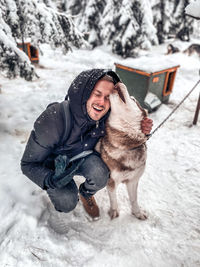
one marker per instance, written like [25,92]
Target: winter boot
[90,207]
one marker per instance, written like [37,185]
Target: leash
[150,135]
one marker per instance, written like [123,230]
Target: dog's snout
[119,91]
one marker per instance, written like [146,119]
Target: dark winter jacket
[64,128]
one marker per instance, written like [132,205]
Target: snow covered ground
[169,190]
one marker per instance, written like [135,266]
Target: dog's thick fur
[123,148]
[171,49]
[194,48]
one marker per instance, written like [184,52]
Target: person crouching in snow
[61,145]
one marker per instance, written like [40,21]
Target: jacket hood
[80,90]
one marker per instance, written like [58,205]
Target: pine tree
[12,60]
[128,25]
[183,23]
[89,21]
[23,19]
[128,30]
[131,27]
[75,7]
[171,21]
[123,24]
[109,19]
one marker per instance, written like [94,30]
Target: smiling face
[98,104]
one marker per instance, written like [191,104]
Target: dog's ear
[120,93]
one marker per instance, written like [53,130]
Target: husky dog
[172,49]
[123,148]
[194,48]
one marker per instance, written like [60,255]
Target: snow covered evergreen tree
[131,26]
[170,19]
[124,24]
[75,7]
[127,25]
[12,60]
[89,20]
[21,19]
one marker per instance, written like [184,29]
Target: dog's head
[121,101]
[125,110]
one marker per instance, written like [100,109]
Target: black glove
[64,172]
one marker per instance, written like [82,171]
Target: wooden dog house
[142,82]
[30,50]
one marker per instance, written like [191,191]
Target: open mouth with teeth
[97,108]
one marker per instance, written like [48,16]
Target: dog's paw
[113,214]
[141,214]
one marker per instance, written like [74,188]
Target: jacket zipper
[97,124]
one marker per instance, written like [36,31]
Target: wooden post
[198,103]
[197,112]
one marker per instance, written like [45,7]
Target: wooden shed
[141,82]
[30,50]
